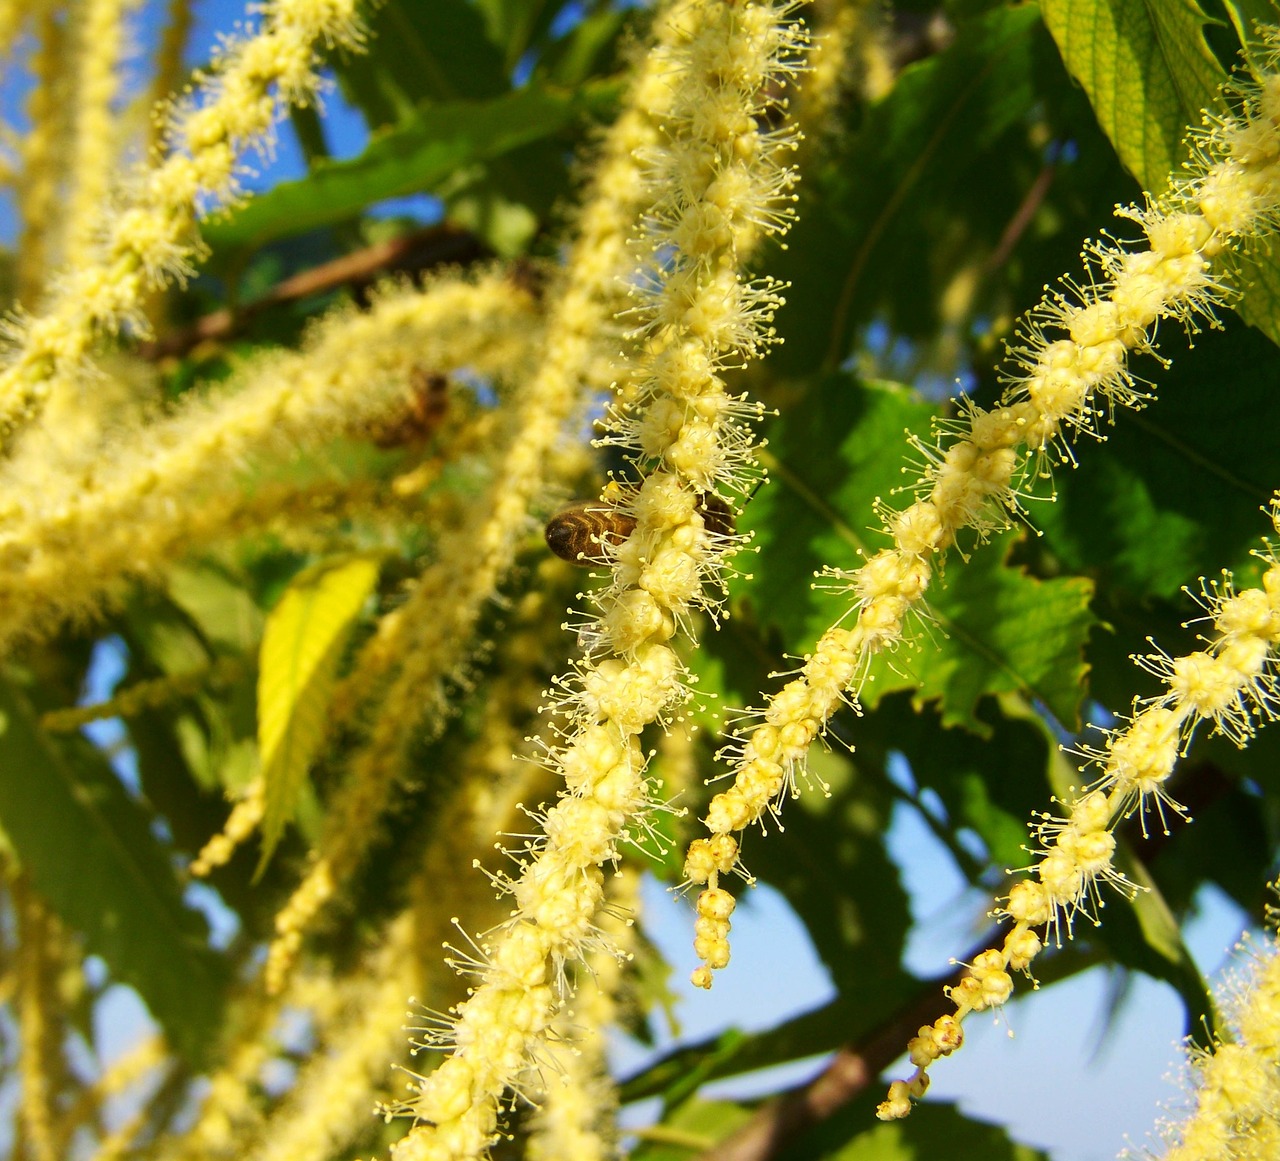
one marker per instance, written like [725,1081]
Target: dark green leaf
[1175,491]
[1151,74]
[1143,934]
[989,781]
[589,46]
[1231,840]
[515,24]
[924,192]
[847,1020]
[426,52]
[692,1129]
[419,155]
[1247,16]
[934,1130]
[223,609]
[90,852]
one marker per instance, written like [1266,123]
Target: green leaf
[1153,943]
[922,192]
[515,24]
[1148,72]
[590,45]
[998,630]
[690,1130]
[420,154]
[161,631]
[425,52]
[223,610]
[934,1130]
[1174,491]
[731,1053]
[1247,16]
[1231,841]
[91,853]
[990,782]
[303,642]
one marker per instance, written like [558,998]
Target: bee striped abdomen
[580,532]
[717,516]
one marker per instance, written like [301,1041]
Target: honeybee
[717,516]
[580,532]
[425,405]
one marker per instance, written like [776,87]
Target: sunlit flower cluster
[1070,370]
[718,179]
[1231,685]
[151,238]
[1233,1110]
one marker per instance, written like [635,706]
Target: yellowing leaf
[1148,72]
[303,641]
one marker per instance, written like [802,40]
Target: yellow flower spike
[573,1119]
[360,1018]
[100,36]
[1058,388]
[483,551]
[42,148]
[67,538]
[1232,684]
[40,1011]
[1235,1092]
[686,299]
[254,82]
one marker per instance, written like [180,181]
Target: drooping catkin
[1069,371]
[719,181]
[1232,686]
[149,236]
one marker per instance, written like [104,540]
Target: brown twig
[409,253]
[1022,218]
[781,1121]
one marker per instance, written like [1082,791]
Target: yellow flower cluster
[718,181]
[150,237]
[433,630]
[574,1120]
[68,538]
[1071,370]
[1234,684]
[1235,1114]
